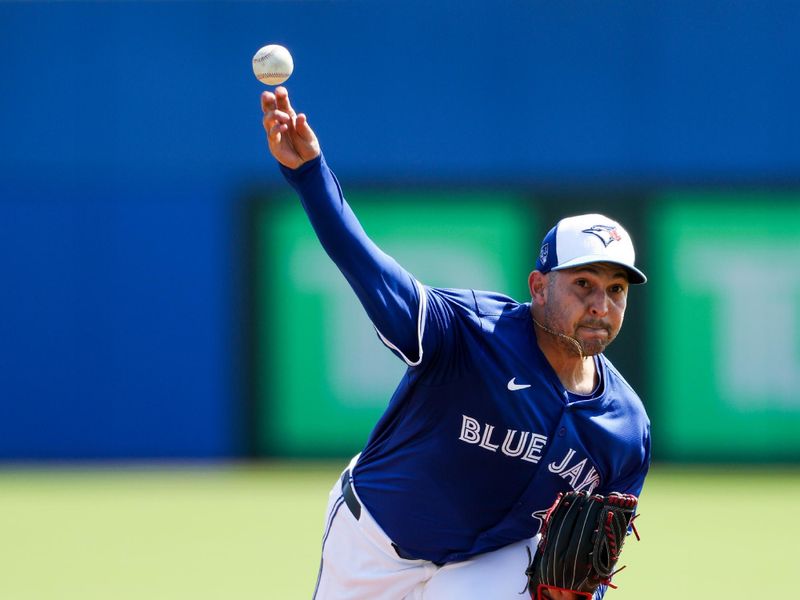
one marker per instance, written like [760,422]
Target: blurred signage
[322,377]
[726,354]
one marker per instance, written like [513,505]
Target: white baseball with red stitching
[272,64]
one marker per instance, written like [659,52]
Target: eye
[617,288]
[581,283]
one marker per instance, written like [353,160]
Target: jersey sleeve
[393,299]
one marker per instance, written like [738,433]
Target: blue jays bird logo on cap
[543,253]
[606,233]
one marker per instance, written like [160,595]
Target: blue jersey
[480,435]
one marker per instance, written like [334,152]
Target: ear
[537,284]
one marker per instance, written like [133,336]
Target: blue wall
[130,131]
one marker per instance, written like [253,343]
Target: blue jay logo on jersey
[606,233]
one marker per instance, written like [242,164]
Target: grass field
[254,532]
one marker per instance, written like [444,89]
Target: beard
[578,340]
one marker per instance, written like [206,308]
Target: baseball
[272,64]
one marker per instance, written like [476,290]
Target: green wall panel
[726,323]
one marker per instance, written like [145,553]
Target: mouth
[595,331]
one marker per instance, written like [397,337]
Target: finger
[282,99]
[277,129]
[267,101]
[278,115]
[272,117]
[275,134]
[303,128]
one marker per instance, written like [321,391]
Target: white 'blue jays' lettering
[515,443]
[590,481]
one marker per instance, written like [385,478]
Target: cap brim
[634,274]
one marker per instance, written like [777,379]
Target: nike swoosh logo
[514,386]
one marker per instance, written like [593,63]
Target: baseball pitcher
[505,409]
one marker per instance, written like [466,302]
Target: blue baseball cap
[587,239]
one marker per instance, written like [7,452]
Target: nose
[598,303]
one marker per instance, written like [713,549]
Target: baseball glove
[581,541]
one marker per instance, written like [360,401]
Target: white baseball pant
[359,562]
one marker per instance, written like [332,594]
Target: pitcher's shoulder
[482,303]
[624,392]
